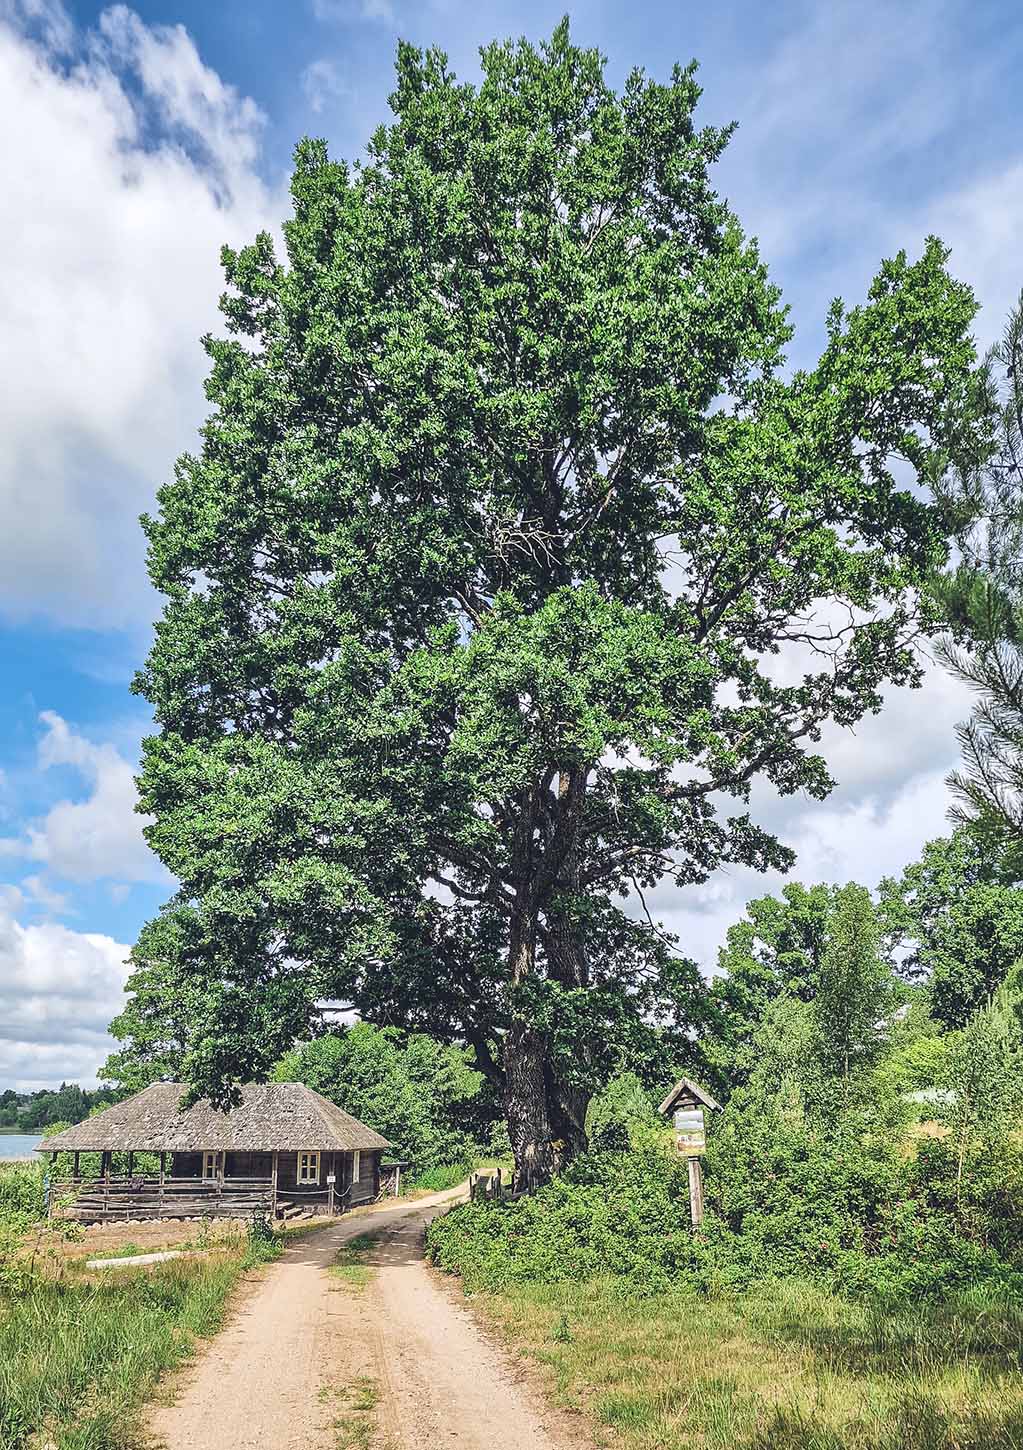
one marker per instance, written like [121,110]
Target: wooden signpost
[691,1140]
[686,1102]
[690,1131]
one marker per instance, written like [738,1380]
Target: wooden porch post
[74,1168]
[131,1161]
[330,1186]
[220,1176]
[105,1170]
[273,1187]
[163,1170]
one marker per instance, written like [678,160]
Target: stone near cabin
[276,1152]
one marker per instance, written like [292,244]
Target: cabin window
[355,1166]
[209,1165]
[308,1168]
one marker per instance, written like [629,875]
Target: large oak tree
[511,557]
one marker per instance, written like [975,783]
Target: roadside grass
[350,1265]
[133,1251]
[79,1356]
[355,1424]
[789,1367]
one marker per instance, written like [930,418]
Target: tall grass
[78,1356]
[439,1177]
[789,1368]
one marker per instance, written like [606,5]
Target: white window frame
[356,1165]
[307,1176]
[209,1165]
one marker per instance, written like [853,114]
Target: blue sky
[140,138]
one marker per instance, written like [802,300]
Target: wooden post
[220,1177]
[105,1170]
[163,1171]
[74,1169]
[131,1161]
[273,1187]
[695,1191]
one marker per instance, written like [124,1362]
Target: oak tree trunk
[525,1102]
[546,1117]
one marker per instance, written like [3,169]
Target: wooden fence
[488,1184]
[92,1200]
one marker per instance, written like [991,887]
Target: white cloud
[46,18]
[982,222]
[859,133]
[134,163]
[854,85]
[861,840]
[889,800]
[100,836]
[322,83]
[54,903]
[341,10]
[12,898]
[59,990]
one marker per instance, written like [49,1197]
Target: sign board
[690,1132]
[331,1178]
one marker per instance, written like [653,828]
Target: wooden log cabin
[283,1150]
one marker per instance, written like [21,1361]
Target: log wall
[96,1200]
[184,1193]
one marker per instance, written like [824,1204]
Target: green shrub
[815,1171]
[611,1212]
[21,1191]
[865,1219]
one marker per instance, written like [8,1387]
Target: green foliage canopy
[775,949]
[32,1112]
[855,995]
[954,921]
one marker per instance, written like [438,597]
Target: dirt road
[375,1353]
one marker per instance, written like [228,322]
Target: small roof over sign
[686,1088]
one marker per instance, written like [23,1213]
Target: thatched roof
[271,1115]
[687,1090]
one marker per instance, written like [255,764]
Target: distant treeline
[32,1112]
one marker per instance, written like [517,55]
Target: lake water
[18,1145]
